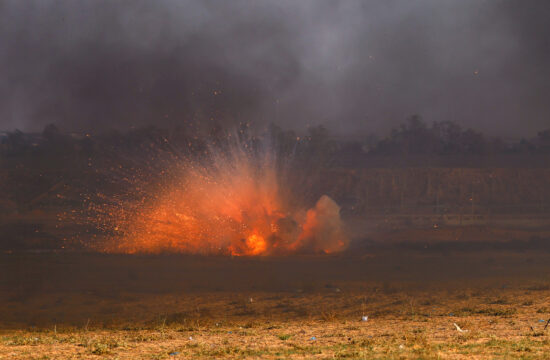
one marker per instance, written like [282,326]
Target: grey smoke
[353,66]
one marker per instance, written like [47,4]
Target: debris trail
[233,200]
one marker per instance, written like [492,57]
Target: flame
[232,206]
[255,245]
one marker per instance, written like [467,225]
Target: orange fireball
[233,206]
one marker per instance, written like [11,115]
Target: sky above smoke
[352,66]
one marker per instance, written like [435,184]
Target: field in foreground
[85,306]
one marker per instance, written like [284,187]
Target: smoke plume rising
[349,65]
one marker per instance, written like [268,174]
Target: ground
[90,306]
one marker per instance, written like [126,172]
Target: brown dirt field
[90,306]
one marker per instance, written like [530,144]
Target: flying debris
[234,201]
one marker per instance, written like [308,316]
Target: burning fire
[233,206]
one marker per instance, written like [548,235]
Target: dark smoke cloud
[349,65]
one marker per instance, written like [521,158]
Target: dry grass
[401,325]
[503,315]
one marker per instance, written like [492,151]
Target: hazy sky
[353,66]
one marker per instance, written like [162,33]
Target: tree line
[413,137]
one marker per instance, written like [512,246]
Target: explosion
[234,201]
